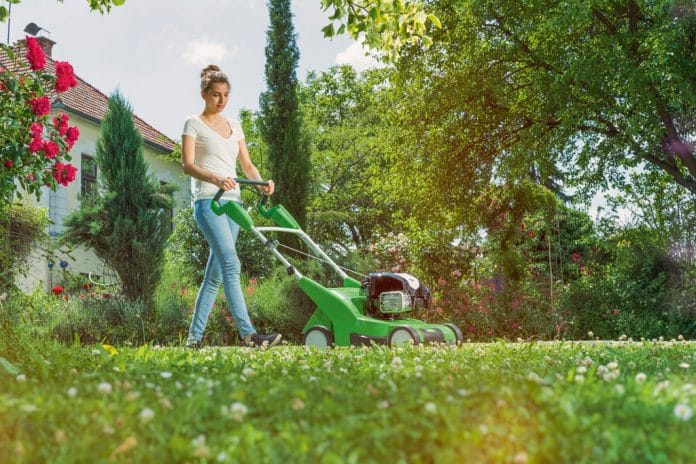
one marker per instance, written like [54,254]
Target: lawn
[500,402]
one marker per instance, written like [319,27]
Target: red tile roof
[83,99]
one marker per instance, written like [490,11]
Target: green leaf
[3,13]
[328,30]
[434,19]
[9,367]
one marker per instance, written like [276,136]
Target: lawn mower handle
[241,182]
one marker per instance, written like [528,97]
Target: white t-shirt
[216,154]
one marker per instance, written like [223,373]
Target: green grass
[501,402]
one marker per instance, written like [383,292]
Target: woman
[211,146]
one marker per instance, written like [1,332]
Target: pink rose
[64,173]
[35,54]
[65,76]
[71,135]
[51,149]
[60,122]
[36,145]
[40,106]
[36,130]
[9,164]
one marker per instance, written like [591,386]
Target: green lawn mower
[371,311]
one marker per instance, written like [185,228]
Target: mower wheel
[318,336]
[402,334]
[457,333]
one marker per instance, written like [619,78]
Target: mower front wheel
[457,333]
[402,334]
[318,336]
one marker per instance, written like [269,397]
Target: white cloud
[204,51]
[355,56]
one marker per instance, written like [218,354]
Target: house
[86,107]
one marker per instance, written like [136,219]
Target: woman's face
[216,97]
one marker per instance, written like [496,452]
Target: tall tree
[593,89]
[343,112]
[122,222]
[280,122]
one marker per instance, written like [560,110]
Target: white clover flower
[601,370]
[383,404]
[248,372]
[660,386]
[146,415]
[613,365]
[198,441]
[581,370]
[684,365]
[238,411]
[21,378]
[221,457]
[166,375]
[579,378]
[683,411]
[430,407]
[104,388]
[641,377]
[396,362]
[680,338]
[72,392]
[590,334]
[96,352]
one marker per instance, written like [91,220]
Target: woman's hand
[268,189]
[226,184]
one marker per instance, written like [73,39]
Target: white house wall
[65,200]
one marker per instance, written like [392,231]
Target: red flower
[40,106]
[36,145]
[31,177]
[60,122]
[87,286]
[35,54]
[51,149]
[57,290]
[71,136]
[65,76]
[9,164]
[64,173]
[36,130]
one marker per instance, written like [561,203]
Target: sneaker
[192,344]
[261,340]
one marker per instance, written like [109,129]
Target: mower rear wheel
[318,336]
[402,334]
[457,333]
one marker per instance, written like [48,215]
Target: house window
[89,175]
[167,214]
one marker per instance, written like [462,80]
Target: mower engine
[389,293]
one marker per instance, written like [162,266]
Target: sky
[153,50]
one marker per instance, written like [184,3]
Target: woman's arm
[250,170]
[188,157]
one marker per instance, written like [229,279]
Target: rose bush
[34,148]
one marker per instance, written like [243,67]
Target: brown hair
[212,74]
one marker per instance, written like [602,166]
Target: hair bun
[211,68]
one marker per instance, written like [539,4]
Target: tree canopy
[579,91]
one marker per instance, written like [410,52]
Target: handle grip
[220,192]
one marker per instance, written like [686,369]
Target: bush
[187,250]
[22,228]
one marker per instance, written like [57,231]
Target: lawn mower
[358,313]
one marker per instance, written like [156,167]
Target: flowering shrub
[34,148]
[391,252]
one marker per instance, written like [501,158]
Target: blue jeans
[223,267]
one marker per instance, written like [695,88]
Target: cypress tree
[280,121]
[122,221]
